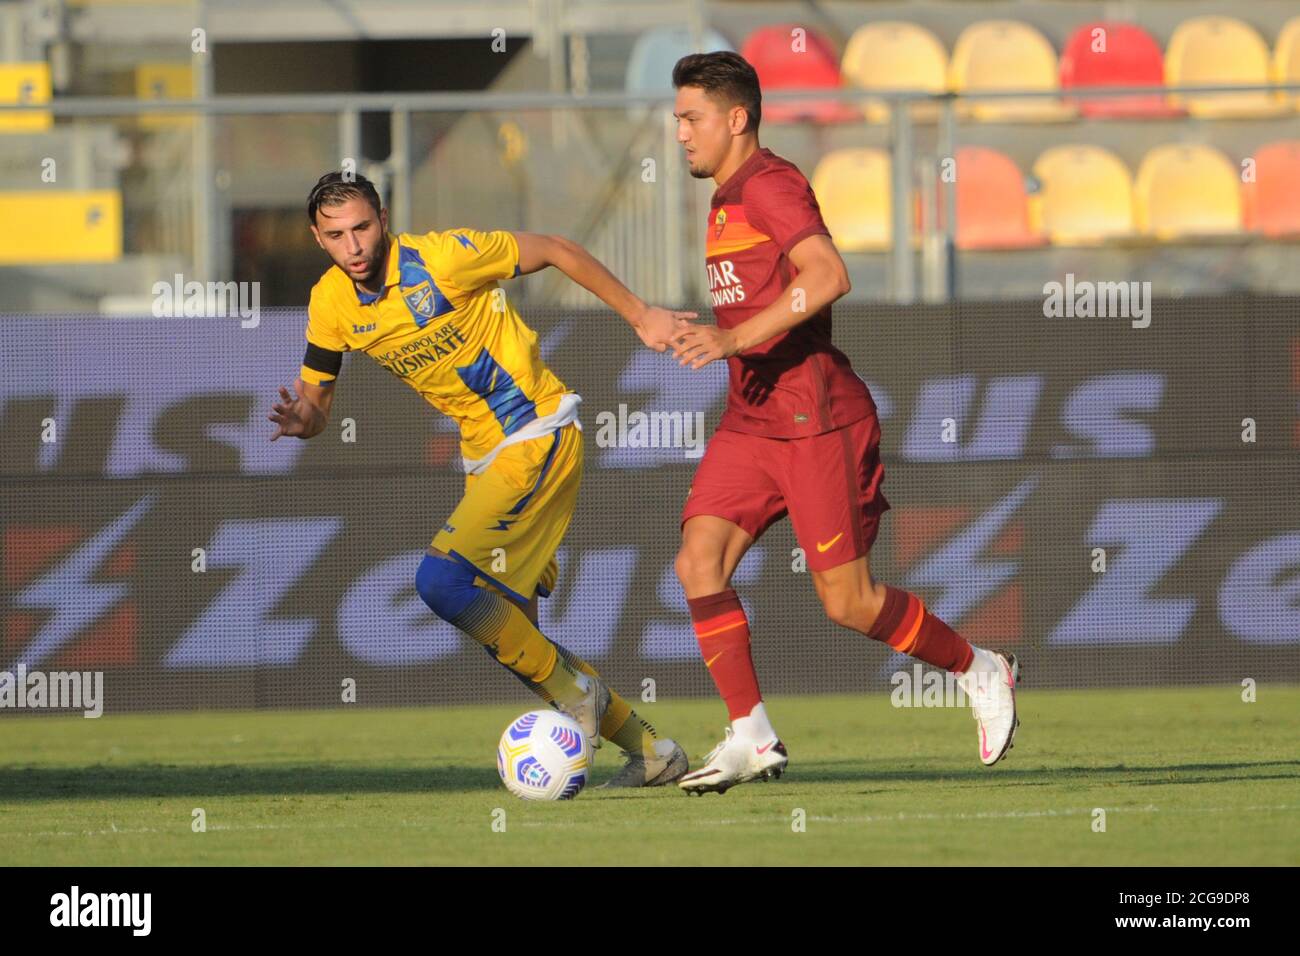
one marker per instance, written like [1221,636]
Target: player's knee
[840,607]
[446,586]
[855,608]
[698,571]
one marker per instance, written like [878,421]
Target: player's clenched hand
[699,345]
[293,414]
[656,326]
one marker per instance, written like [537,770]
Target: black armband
[326,361]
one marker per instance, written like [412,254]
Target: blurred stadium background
[965,154]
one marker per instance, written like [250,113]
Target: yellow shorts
[515,514]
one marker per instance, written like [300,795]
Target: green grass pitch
[1185,776]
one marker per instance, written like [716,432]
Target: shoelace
[989,706]
[720,747]
[991,702]
[634,769]
[634,764]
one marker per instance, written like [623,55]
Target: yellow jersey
[442,325]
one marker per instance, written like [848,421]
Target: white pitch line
[1017,814]
[905,817]
[881,818]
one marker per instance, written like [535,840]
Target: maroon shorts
[829,484]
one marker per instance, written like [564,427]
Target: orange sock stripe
[720,622]
[916,613]
[719,630]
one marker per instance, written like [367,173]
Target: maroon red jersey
[796,383]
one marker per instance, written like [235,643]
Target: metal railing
[398,166]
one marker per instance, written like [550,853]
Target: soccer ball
[544,755]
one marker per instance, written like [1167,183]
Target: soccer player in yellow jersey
[428,308]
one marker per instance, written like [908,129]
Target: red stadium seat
[992,207]
[786,60]
[1115,54]
[1271,204]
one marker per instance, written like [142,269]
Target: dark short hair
[333,189]
[726,76]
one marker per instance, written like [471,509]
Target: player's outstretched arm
[822,278]
[303,415]
[655,326]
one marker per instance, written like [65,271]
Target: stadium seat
[25,83]
[999,55]
[853,190]
[61,227]
[164,81]
[1270,205]
[1086,195]
[785,60]
[1286,57]
[892,55]
[1185,190]
[992,208]
[656,52]
[1115,54]
[1219,51]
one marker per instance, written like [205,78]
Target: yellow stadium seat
[1000,55]
[892,55]
[1086,195]
[25,83]
[1219,51]
[1286,57]
[164,81]
[1185,190]
[60,227]
[852,187]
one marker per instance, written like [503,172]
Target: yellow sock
[564,683]
[621,725]
[502,627]
[552,672]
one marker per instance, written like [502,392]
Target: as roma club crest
[719,222]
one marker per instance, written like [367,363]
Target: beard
[373,265]
[699,172]
[372,271]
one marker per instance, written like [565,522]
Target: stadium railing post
[903,271]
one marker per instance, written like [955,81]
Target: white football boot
[736,760]
[990,683]
[665,765]
[589,709]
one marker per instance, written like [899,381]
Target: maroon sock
[723,632]
[906,626]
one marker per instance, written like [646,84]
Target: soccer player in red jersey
[799,435]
